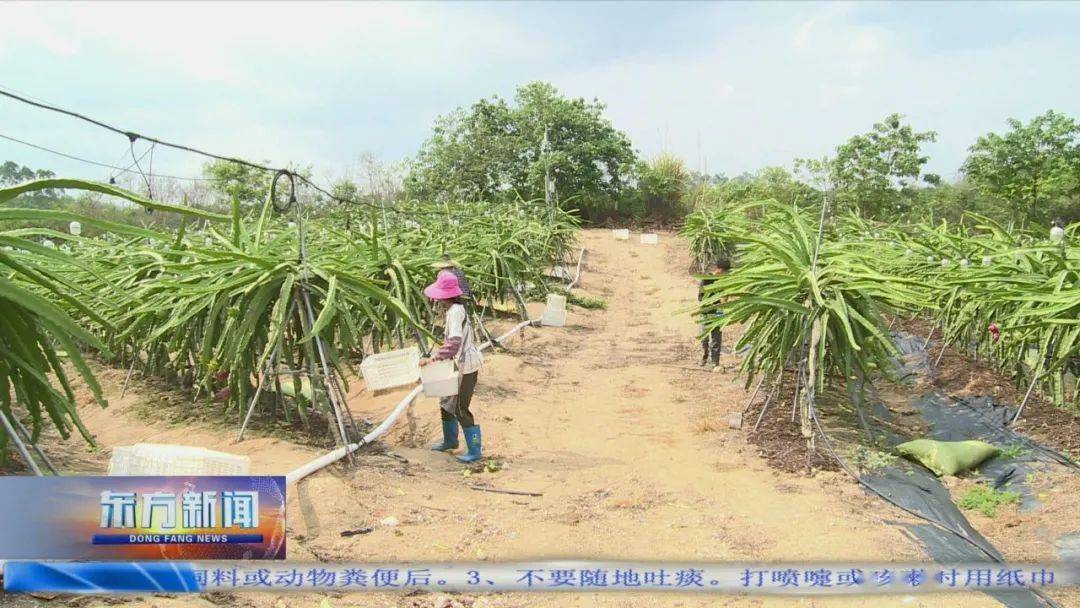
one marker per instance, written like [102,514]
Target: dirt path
[628,446]
[608,419]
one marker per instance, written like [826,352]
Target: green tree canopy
[872,171]
[12,173]
[248,184]
[1034,168]
[664,184]
[496,148]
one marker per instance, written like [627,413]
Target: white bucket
[650,238]
[440,379]
[555,311]
[621,234]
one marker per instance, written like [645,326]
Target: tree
[12,173]
[663,184]
[1033,168]
[774,183]
[382,180]
[872,171]
[345,189]
[250,184]
[495,149]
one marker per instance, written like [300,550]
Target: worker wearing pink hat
[445,287]
[459,345]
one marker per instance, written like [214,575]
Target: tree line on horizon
[541,142]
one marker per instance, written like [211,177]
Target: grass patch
[986,500]
[869,460]
[1013,451]
[573,299]
[586,302]
[482,466]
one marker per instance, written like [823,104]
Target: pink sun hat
[445,287]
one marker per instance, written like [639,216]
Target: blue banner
[180,518]
[805,579]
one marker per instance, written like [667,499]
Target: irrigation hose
[577,273]
[327,459]
[313,466]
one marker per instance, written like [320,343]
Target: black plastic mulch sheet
[865,438]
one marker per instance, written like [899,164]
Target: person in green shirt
[712,342]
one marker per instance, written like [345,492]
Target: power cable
[95,163]
[149,189]
[112,177]
[133,136]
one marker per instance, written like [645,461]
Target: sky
[729,87]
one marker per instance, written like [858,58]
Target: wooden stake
[19,444]
[258,391]
[1027,395]
[930,335]
[498,491]
[944,345]
[37,449]
[131,370]
[810,384]
[753,396]
[772,393]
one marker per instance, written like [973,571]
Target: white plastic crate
[650,238]
[163,459]
[390,369]
[555,311]
[621,234]
[440,379]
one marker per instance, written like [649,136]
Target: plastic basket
[440,379]
[555,311]
[650,238]
[390,369]
[621,234]
[162,459]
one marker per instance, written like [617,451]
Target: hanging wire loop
[292,191]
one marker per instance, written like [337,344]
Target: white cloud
[759,84]
[830,96]
[26,26]
[803,34]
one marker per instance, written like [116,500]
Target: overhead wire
[112,177]
[95,163]
[134,136]
[149,189]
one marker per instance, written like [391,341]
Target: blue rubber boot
[472,440]
[449,436]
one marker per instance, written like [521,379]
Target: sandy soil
[610,420]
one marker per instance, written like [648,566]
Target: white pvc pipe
[577,274]
[343,451]
[403,405]
[378,431]
[514,330]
